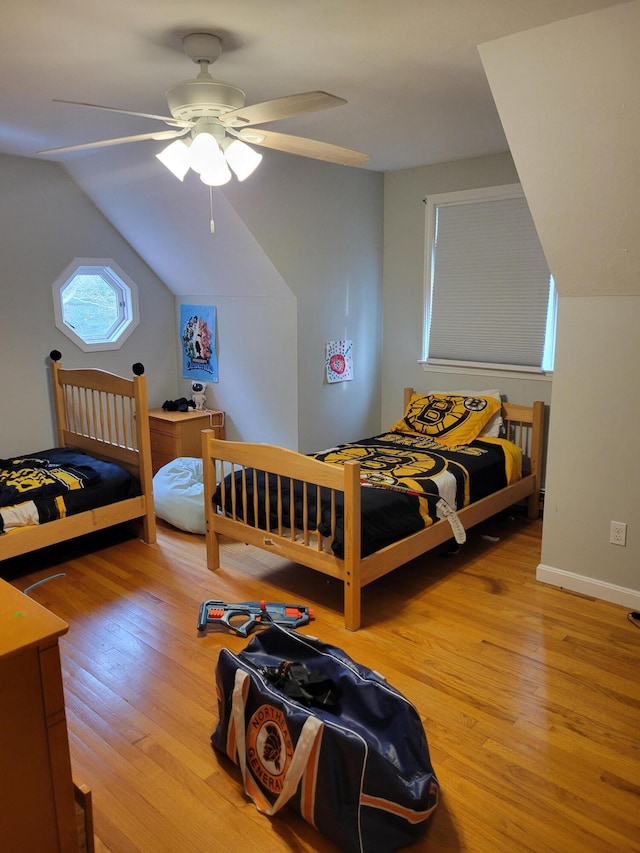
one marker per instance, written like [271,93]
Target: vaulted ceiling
[410,70]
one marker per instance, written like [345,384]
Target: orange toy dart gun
[242,618]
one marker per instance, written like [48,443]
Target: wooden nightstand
[176,434]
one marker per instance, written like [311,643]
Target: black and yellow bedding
[51,484]
[390,463]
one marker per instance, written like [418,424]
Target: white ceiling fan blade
[279,108]
[304,147]
[104,143]
[173,122]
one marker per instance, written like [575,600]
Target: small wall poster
[339,360]
[198,336]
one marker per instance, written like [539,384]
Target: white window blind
[487,280]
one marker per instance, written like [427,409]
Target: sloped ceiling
[569,98]
[410,70]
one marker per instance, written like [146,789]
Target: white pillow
[178,494]
[494,427]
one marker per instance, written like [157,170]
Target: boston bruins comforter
[404,475]
[52,484]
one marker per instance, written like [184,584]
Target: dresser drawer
[51,676]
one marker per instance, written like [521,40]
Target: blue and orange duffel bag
[309,726]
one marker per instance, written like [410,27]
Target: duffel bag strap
[304,758]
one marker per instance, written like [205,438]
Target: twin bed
[97,476]
[358,511]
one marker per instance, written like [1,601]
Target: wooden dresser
[176,434]
[37,804]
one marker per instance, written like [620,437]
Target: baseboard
[589,586]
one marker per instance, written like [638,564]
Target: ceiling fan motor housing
[194,99]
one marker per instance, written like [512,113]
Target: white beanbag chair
[178,494]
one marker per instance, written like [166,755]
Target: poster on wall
[339,360]
[198,336]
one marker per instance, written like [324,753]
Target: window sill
[474,369]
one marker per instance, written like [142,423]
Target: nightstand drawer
[175,434]
[163,443]
[167,428]
[162,459]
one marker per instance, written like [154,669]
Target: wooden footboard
[306,546]
[105,416]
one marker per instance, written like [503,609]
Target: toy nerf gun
[247,615]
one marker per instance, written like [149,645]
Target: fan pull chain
[212,224]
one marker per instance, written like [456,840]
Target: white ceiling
[409,69]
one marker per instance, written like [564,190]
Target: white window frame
[460,366]
[126,293]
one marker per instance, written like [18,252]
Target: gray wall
[569,101]
[594,453]
[295,261]
[326,242]
[47,221]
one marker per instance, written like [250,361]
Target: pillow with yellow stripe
[448,418]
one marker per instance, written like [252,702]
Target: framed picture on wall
[198,336]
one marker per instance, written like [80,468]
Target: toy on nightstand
[198,395]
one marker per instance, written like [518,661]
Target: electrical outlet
[618,533]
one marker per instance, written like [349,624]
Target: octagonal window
[95,304]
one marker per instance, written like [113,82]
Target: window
[95,304]
[490,299]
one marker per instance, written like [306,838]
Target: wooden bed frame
[523,425]
[105,416]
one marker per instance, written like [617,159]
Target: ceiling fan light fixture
[208,109]
[242,159]
[176,158]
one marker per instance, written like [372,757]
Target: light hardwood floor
[530,696]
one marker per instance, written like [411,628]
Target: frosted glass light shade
[242,159]
[217,176]
[205,154]
[176,158]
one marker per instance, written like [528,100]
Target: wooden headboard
[104,415]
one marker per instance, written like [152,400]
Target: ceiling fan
[210,124]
